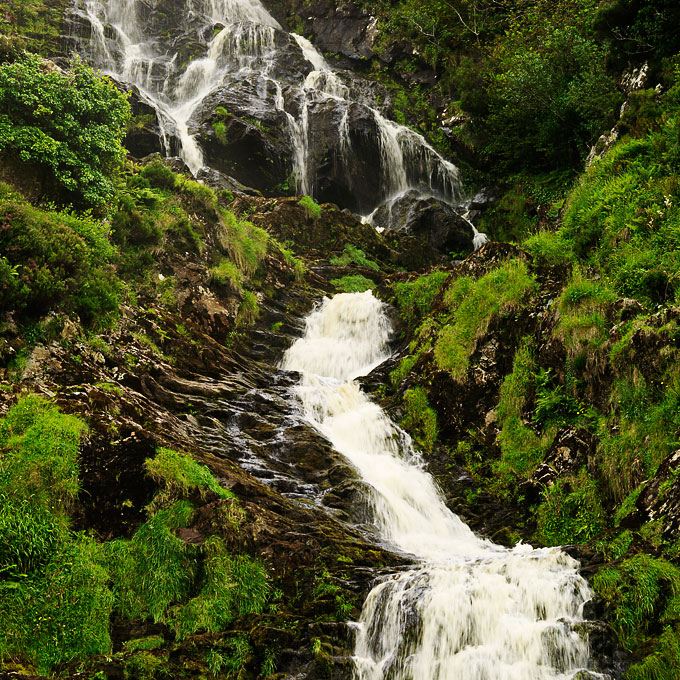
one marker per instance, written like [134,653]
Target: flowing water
[178,55]
[467,609]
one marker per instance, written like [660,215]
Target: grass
[354,283]
[419,418]
[640,591]
[311,207]
[571,511]
[181,475]
[472,304]
[414,298]
[155,568]
[232,586]
[353,255]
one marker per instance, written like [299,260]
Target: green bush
[55,259]
[69,123]
[472,305]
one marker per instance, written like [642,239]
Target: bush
[69,123]
[56,259]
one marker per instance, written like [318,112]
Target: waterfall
[136,42]
[466,609]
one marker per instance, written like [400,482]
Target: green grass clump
[226,273]
[233,585]
[155,568]
[472,304]
[246,244]
[521,448]
[420,420]
[414,298]
[60,613]
[311,207]
[54,597]
[182,475]
[571,512]
[549,248]
[353,255]
[641,591]
[355,283]
[663,662]
[248,310]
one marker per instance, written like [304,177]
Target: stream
[467,609]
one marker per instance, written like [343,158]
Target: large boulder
[430,218]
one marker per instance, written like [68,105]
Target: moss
[355,283]
[472,305]
[419,418]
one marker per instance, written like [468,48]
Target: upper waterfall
[327,140]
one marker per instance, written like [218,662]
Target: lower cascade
[466,609]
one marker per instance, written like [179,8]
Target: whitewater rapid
[467,609]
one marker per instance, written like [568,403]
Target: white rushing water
[133,41]
[467,609]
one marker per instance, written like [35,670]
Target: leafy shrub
[354,283]
[414,298]
[472,304]
[69,123]
[55,259]
[311,207]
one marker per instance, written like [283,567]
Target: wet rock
[571,449]
[428,217]
[660,499]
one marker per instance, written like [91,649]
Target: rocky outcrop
[441,225]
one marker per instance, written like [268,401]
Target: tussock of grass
[472,304]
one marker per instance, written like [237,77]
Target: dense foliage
[69,123]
